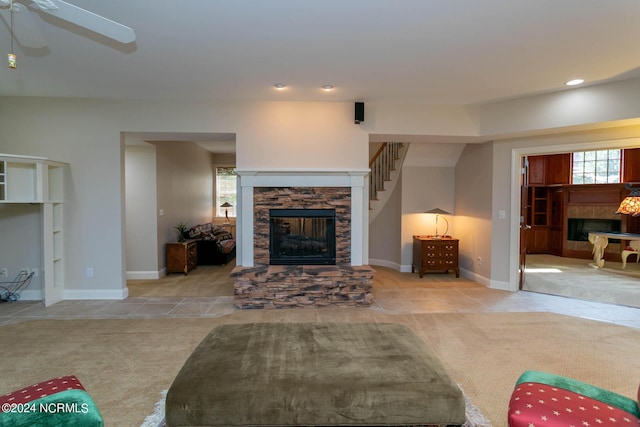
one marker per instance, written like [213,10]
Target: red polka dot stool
[59,401]
[542,399]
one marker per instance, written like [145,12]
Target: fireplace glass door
[579,229]
[302,236]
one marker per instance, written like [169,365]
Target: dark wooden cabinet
[430,254]
[551,169]
[181,257]
[535,170]
[631,165]
[557,223]
[538,215]
[538,240]
[558,169]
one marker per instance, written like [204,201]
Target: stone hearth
[280,286]
[348,283]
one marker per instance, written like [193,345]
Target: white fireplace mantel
[248,179]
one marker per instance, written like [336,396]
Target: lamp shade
[226,206]
[631,204]
[438,211]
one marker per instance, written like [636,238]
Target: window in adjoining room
[596,167]
[226,191]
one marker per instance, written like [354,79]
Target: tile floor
[407,299]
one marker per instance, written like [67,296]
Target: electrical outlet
[35,272]
[89,271]
[479,260]
[4,272]
[24,271]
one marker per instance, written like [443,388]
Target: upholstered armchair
[546,399]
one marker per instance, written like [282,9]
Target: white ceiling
[417,51]
[426,51]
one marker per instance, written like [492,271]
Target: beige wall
[142,262]
[473,204]
[385,231]
[418,119]
[185,177]
[20,228]
[280,135]
[588,106]
[172,177]
[424,188]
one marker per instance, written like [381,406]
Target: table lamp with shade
[438,212]
[631,204]
[226,206]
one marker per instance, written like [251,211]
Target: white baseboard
[385,263]
[90,294]
[503,286]
[406,268]
[475,277]
[143,275]
[493,284]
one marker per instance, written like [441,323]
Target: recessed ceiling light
[280,86]
[574,82]
[327,87]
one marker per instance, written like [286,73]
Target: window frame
[594,172]
[219,213]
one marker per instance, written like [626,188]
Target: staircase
[385,167]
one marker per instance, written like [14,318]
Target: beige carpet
[575,278]
[204,281]
[125,364]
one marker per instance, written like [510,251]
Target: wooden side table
[181,257]
[435,254]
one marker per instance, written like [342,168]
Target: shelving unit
[27,179]
[538,212]
[3,177]
[539,206]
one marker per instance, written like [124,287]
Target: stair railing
[381,165]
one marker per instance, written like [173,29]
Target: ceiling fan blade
[25,29]
[91,21]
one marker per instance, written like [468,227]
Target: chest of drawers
[181,257]
[435,254]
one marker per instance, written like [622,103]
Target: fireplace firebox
[302,237]
[578,229]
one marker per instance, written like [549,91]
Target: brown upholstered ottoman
[313,374]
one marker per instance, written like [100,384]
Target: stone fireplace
[303,240]
[584,218]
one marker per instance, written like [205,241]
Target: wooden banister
[381,165]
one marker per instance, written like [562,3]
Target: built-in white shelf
[29,179]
